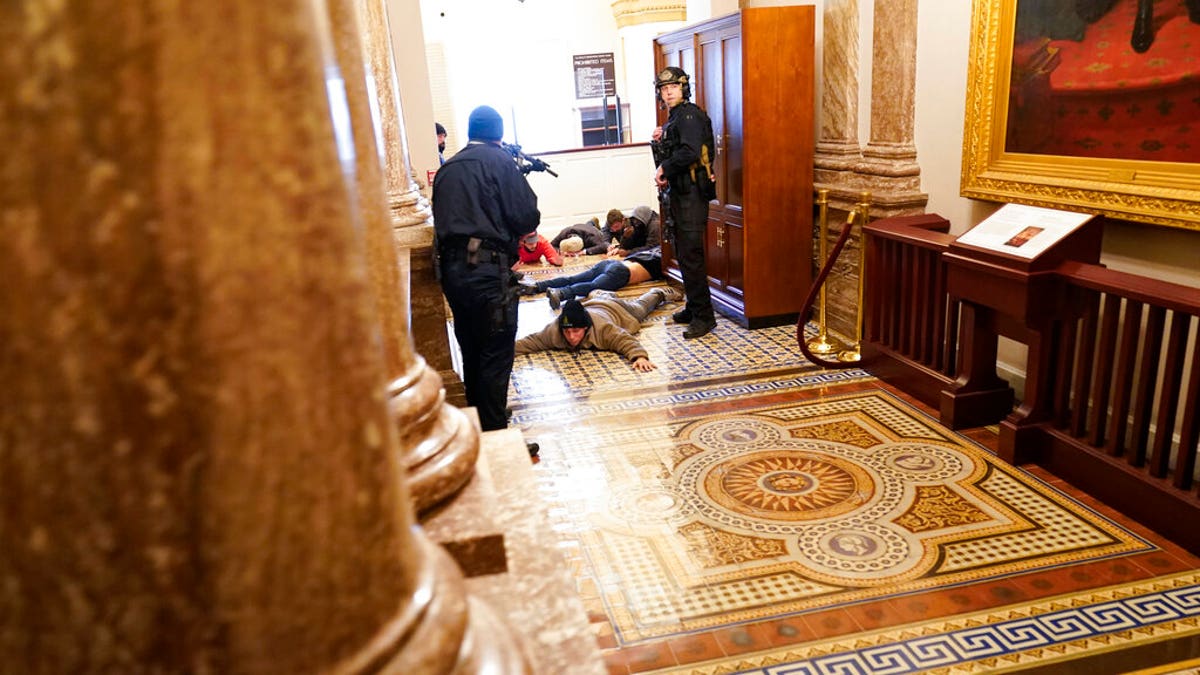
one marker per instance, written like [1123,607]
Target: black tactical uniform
[482,205]
[686,131]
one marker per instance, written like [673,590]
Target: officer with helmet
[683,149]
[482,206]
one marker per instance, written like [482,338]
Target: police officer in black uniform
[482,205]
[683,147]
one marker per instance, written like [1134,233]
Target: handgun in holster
[473,245]
[508,294]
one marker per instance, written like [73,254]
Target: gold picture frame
[1161,193]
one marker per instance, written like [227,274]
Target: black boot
[682,316]
[699,328]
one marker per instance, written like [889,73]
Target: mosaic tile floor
[741,511]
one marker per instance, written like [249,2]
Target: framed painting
[1085,106]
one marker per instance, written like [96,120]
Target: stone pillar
[412,216]
[889,169]
[837,151]
[438,443]
[200,473]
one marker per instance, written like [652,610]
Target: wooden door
[719,92]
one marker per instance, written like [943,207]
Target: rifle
[662,149]
[526,163]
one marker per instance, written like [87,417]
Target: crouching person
[603,323]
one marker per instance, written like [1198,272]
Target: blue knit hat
[485,124]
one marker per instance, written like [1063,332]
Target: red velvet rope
[806,310]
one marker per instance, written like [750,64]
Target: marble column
[200,471]
[438,443]
[838,151]
[412,217]
[889,170]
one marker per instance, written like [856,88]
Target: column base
[497,528]
[439,443]
[448,632]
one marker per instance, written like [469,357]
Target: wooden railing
[1121,419]
[910,333]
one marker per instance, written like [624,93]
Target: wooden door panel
[714,250]
[730,156]
[711,97]
[735,254]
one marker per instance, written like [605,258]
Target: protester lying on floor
[640,232]
[533,248]
[608,275]
[603,323]
[627,234]
[581,239]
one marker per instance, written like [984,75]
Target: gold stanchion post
[821,343]
[853,353]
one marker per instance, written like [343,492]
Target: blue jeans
[607,275]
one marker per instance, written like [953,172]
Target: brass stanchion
[853,353]
[821,343]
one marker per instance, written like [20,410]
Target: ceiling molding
[636,12]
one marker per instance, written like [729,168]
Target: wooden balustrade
[1112,401]
[911,326]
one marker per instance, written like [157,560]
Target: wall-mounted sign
[595,75]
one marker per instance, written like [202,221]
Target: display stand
[1003,277]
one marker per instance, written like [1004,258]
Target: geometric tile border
[1039,633]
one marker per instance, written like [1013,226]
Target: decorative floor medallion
[778,508]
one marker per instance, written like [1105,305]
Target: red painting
[1117,79]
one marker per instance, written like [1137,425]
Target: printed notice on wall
[595,75]
[1025,231]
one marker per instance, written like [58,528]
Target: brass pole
[821,343]
[853,354]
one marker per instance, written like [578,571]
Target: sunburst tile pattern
[756,513]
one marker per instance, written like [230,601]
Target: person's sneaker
[555,298]
[533,449]
[682,316]
[699,328]
[598,293]
[671,294]
[524,289]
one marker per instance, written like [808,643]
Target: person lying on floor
[639,232]
[603,323]
[608,275]
[533,248]
[581,239]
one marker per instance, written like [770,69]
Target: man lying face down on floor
[604,323]
[606,275]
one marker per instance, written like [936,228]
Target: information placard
[595,75]
[1024,231]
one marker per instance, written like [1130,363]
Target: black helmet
[673,75]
